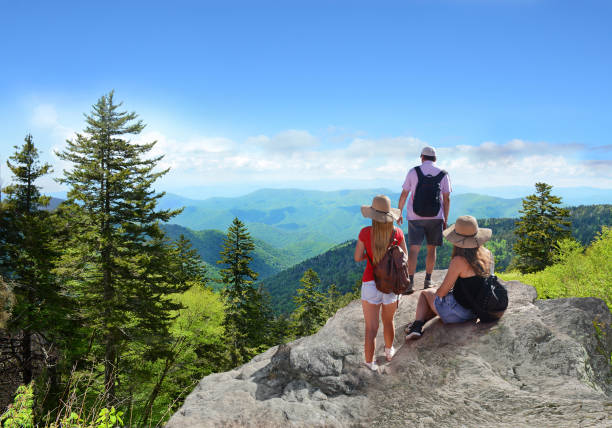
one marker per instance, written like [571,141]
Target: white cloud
[288,141]
[304,159]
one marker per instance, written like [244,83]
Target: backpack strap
[437,178]
[420,174]
[440,176]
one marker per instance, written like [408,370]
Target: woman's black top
[465,289]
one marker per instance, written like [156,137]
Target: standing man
[427,212]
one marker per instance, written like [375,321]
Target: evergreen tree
[247,315]
[311,305]
[116,261]
[188,267]
[542,224]
[26,253]
[333,300]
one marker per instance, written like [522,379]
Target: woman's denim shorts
[370,294]
[452,312]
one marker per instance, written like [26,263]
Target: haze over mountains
[305,223]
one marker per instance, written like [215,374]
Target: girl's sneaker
[372,366]
[415,330]
[389,353]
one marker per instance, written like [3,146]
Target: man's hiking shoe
[415,330]
[389,353]
[407,292]
[426,284]
[372,366]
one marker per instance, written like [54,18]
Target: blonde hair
[381,235]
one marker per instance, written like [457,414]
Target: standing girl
[372,244]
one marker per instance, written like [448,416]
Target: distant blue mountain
[571,196]
[307,222]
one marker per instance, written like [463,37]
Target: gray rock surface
[540,365]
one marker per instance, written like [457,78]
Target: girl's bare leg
[388,311]
[370,316]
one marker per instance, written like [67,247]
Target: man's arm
[446,198]
[400,205]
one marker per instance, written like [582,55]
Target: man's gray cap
[428,151]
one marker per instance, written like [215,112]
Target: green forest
[337,266]
[110,314]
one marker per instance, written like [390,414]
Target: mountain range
[294,230]
[304,223]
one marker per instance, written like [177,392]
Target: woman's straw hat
[465,233]
[381,210]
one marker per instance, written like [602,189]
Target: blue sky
[325,95]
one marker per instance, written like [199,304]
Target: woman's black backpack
[491,300]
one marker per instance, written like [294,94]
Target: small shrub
[20,413]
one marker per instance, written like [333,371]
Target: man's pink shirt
[410,184]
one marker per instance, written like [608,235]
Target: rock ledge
[541,365]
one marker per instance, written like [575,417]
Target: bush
[20,413]
[576,272]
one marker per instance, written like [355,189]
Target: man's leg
[434,239]
[430,262]
[413,254]
[416,234]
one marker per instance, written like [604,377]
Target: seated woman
[372,245]
[470,265]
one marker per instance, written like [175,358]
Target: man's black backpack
[426,201]
[491,300]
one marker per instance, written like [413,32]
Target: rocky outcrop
[541,365]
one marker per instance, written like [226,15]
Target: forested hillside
[337,266]
[267,260]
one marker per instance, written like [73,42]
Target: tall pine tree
[115,263]
[542,224]
[26,253]
[247,315]
[312,306]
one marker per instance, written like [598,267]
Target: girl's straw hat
[465,233]
[381,210]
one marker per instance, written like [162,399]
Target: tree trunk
[110,371]
[26,355]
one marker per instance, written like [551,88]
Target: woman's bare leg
[370,316]
[425,306]
[388,311]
